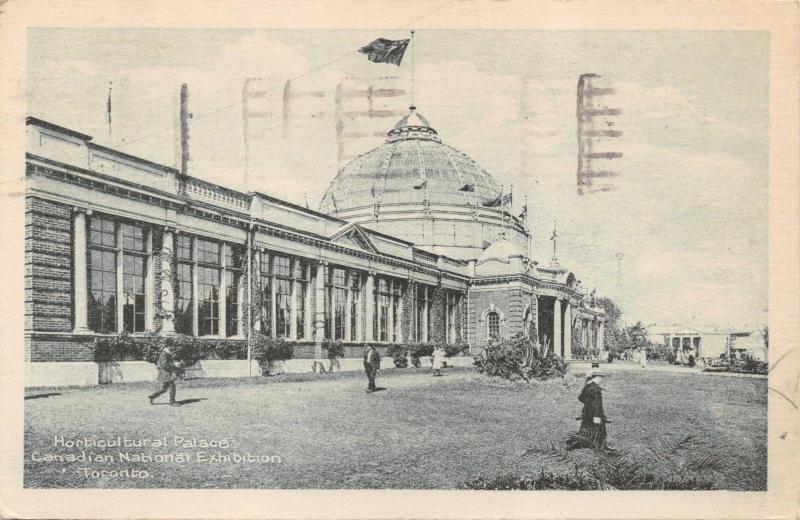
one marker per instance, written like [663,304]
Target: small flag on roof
[493,203]
[385,51]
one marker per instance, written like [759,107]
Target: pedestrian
[168,370]
[592,432]
[437,359]
[642,357]
[372,363]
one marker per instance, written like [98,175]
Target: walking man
[168,370]
[372,362]
[592,432]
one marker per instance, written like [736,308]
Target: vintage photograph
[429,259]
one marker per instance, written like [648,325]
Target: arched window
[493,324]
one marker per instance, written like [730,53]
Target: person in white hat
[592,432]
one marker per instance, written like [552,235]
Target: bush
[335,349]
[665,465]
[147,347]
[266,350]
[519,358]
[398,354]
[454,350]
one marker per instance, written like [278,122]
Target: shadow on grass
[41,396]
[182,402]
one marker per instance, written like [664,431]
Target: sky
[681,239]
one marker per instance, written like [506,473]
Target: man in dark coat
[592,433]
[372,362]
[168,371]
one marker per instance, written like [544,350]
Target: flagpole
[108,109]
[413,105]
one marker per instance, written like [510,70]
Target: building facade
[118,244]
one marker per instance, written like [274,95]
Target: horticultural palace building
[405,248]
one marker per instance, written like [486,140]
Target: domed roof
[412,166]
[501,249]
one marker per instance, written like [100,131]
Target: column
[167,294]
[223,292]
[319,310]
[568,330]
[293,301]
[348,310]
[307,318]
[390,321]
[601,342]
[398,333]
[425,324]
[120,282]
[79,268]
[557,326]
[369,295]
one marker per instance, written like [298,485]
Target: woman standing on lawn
[437,359]
[592,433]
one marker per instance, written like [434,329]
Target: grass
[420,432]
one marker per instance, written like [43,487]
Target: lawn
[418,432]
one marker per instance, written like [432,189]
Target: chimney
[184,120]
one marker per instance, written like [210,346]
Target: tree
[614,336]
[638,335]
[765,332]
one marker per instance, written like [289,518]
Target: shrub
[666,464]
[147,347]
[454,350]
[266,350]
[335,349]
[519,358]
[398,354]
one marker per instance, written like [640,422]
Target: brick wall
[48,266]
[56,347]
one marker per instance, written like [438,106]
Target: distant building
[404,250]
[707,342]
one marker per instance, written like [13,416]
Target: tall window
[493,324]
[382,302]
[343,289]
[208,278]
[102,275]
[339,301]
[301,286]
[134,258]
[283,295]
[265,293]
[234,256]
[183,278]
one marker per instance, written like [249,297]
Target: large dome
[415,178]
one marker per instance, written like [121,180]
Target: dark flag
[524,213]
[467,187]
[421,185]
[507,199]
[493,203]
[385,51]
[108,105]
